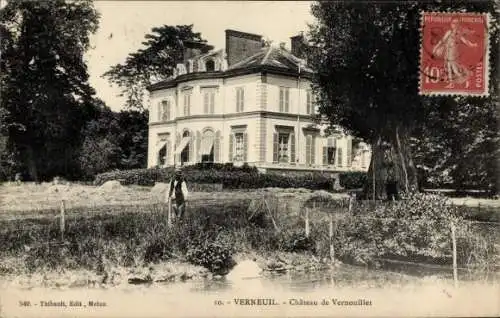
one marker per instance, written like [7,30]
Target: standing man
[391,183]
[178,193]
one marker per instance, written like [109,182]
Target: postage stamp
[454,54]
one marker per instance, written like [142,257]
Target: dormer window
[189,66]
[210,66]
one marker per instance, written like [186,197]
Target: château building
[250,103]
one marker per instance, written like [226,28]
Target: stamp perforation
[486,58]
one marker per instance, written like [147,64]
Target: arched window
[185,148]
[162,156]
[207,146]
[210,66]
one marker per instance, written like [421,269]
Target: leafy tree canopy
[44,81]
[366,59]
[156,61]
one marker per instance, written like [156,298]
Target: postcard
[249,159]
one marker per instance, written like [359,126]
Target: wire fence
[52,227]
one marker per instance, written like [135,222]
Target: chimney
[299,45]
[240,45]
[192,49]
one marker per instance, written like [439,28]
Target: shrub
[297,241]
[143,177]
[229,176]
[417,228]
[214,255]
[157,250]
[352,180]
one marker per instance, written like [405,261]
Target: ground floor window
[184,149]
[310,150]
[238,145]
[331,152]
[162,156]
[284,145]
[162,149]
[207,146]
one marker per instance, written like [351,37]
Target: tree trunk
[391,156]
[32,164]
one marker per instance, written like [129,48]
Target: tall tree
[366,59]
[45,88]
[458,146]
[114,141]
[163,49]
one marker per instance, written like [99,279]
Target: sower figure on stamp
[178,194]
[447,48]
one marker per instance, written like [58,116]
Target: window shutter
[242,100]
[205,103]
[186,105]
[313,150]
[281,99]
[292,148]
[191,157]
[238,92]
[287,100]
[177,156]
[238,99]
[198,144]
[275,147]
[231,142]
[349,152]
[217,147]
[159,112]
[308,149]
[212,102]
[308,103]
[167,153]
[339,155]
[325,156]
[245,147]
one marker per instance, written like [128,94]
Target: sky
[123,25]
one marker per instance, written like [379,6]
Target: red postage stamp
[454,54]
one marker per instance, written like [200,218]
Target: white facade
[259,111]
[254,127]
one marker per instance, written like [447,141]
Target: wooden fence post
[307,222]
[454,246]
[330,235]
[272,216]
[62,220]
[169,213]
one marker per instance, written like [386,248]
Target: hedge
[232,177]
[352,180]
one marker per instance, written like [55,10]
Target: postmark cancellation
[454,54]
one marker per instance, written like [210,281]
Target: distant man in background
[391,183]
[178,193]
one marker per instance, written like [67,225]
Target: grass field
[113,232]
